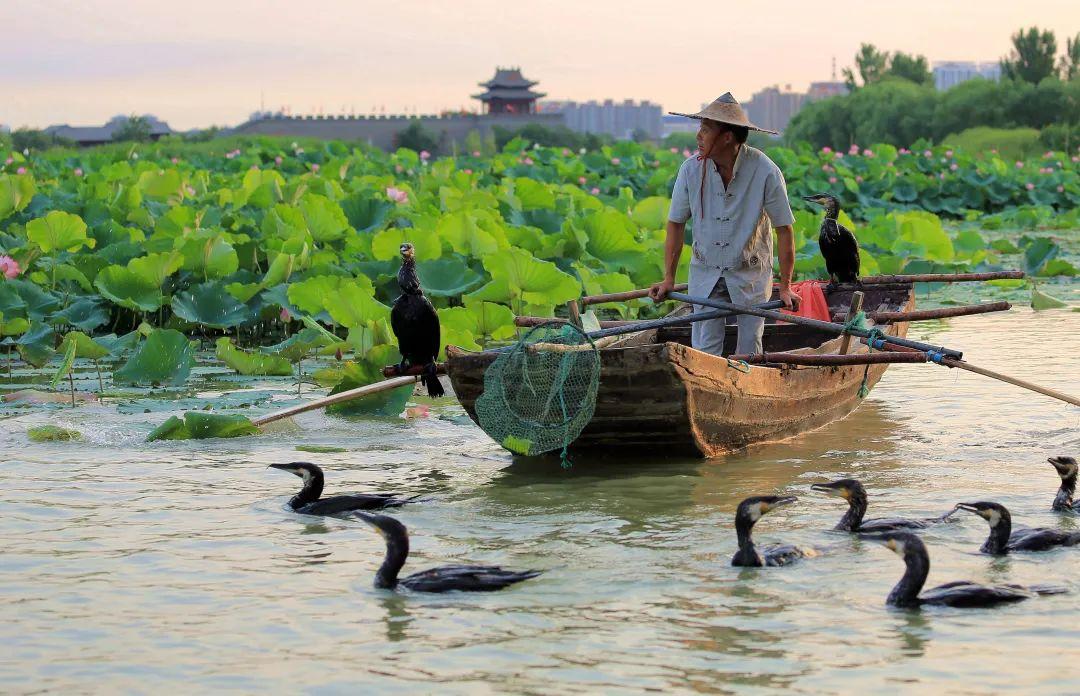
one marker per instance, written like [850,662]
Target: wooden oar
[349,395]
[812,323]
[963,365]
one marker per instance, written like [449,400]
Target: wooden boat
[658,395]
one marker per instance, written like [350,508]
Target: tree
[33,139]
[417,138]
[871,64]
[135,128]
[910,67]
[1032,57]
[1070,62]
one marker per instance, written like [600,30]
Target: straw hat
[725,110]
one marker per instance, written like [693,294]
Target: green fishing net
[540,393]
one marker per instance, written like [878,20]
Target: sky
[196,63]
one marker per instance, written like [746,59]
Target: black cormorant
[853,492]
[954,594]
[748,513]
[1003,539]
[308,502]
[415,323]
[468,578]
[1067,469]
[838,245]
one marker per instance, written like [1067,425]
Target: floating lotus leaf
[300,345]
[1058,267]
[210,304]
[358,374]
[123,287]
[447,277]
[36,344]
[14,326]
[199,425]
[320,449]
[59,231]
[165,358]
[52,433]
[249,363]
[1038,253]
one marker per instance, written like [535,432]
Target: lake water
[174,567]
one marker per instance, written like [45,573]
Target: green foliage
[165,358]
[135,129]
[16,191]
[199,425]
[59,231]
[417,138]
[251,363]
[1010,143]
[210,304]
[52,433]
[33,139]
[1032,56]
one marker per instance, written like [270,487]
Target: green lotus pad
[52,433]
[197,425]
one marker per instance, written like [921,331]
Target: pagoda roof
[509,94]
[508,77]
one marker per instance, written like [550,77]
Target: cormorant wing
[880,525]
[1041,539]
[469,578]
[348,503]
[781,554]
[968,594]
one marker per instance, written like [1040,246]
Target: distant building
[618,119]
[948,74]
[771,108]
[509,93]
[100,135]
[824,90]
[678,124]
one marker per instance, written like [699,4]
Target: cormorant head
[304,470]
[396,537]
[407,251]
[751,509]
[903,544]
[825,199]
[1065,466]
[994,513]
[844,488]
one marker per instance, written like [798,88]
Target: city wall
[380,130]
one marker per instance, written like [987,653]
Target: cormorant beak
[779,502]
[285,467]
[1063,465]
[831,489]
[970,507]
[406,250]
[812,199]
[369,519]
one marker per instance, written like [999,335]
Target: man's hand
[659,292]
[791,300]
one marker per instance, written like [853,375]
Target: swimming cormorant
[416,324]
[748,513]
[1066,468]
[838,245]
[308,502]
[963,594]
[853,492]
[1003,539]
[467,578]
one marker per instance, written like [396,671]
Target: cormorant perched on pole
[838,245]
[416,324]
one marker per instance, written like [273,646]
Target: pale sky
[200,62]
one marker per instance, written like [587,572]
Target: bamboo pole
[941,313]
[349,395]
[623,296]
[943,277]
[853,309]
[833,358]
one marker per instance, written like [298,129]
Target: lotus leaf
[1038,253]
[385,245]
[517,276]
[210,304]
[1040,300]
[462,231]
[199,425]
[320,449]
[483,320]
[279,271]
[354,304]
[447,277]
[358,374]
[52,433]
[249,363]
[161,184]
[36,344]
[651,213]
[533,195]
[14,326]
[1058,267]
[59,231]
[16,192]
[301,344]
[325,219]
[122,286]
[365,212]
[612,238]
[207,252]
[119,345]
[309,295]
[154,269]
[923,232]
[164,358]
[85,347]
[66,363]
[85,313]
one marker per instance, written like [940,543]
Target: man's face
[711,139]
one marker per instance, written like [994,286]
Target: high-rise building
[823,90]
[620,120]
[772,108]
[948,74]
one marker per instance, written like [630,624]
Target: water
[173,566]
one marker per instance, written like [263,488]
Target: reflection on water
[176,565]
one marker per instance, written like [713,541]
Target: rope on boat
[740,365]
[859,322]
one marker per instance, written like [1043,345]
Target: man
[734,194]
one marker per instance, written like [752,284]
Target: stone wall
[380,130]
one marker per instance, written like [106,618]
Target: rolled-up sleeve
[680,198]
[777,206]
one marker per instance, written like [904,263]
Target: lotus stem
[71,383]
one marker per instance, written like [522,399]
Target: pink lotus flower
[1061,189]
[229,155]
[398,168]
[1029,186]
[615,161]
[20,170]
[927,153]
[1019,165]
[994,150]
[581,180]
[174,160]
[595,191]
[528,160]
[942,175]
[468,171]
[838,155]
[826,168]
[832,179]
[1075,159]
[826,149]
[948,153]
[314,169]
[565,152]
[475,153]
[190,190]
[278,160]
[396,194]
[9,267]
[9,160]
[858,179]
[284,315]
[904,151]
[674,149]
[78,171]
[867,153]
[954,166]
[424,154]
[1048,153]
[686,153]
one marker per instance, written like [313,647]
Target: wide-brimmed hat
[725,110]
